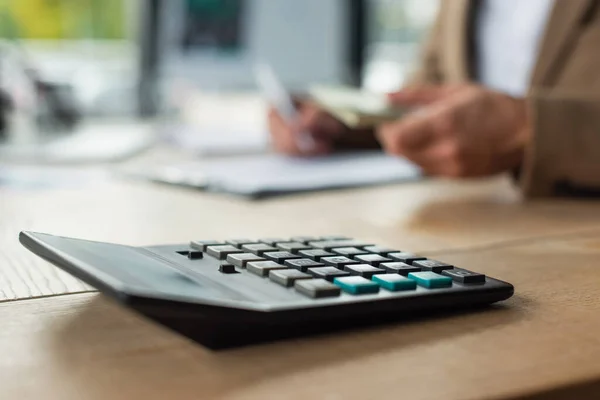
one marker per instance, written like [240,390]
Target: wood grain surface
[427,216]
[535,345]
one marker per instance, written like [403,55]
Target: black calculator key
[432,265]
[405,257]
[221,252]
[398,267]
[240,242]
[364,270]
[262,268]
[315,254]
[287,277]
[334,237]
[334,244]
[338,261]
[292,247]
[202,244]
[349,251]
[227,269]
[195,254]
[317,288]
[373,259]
[280,256]
[273,241]
[384,251]
[328,273]
[303,264]
[241,259]
[258,248]
[304,239]
[464,276]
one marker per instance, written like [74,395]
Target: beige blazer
[564,93]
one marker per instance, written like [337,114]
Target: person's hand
[320,126]
[458,131]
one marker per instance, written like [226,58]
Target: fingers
[422,95]
[285,138]
[319,123]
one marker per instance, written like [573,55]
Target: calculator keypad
[325,267]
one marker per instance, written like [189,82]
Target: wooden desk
[59,343]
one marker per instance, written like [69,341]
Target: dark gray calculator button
[202,244]
[432,265]
[227,269]
[384,251]
[328,273]
[464,276]
[317,288]
[315,254]
[262,268]
[241,259]
[221,252]
[349,251]
[399,268]
[364,270]
[273,241]
[287,277]
[373,259]
[258,248]
[280,256]
[195,254]
[292,247]
[303,264]
[304,239]
[405,257]
[338,261]
[334,237]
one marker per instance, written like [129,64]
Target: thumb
[420,95]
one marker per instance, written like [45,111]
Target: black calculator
[228,293]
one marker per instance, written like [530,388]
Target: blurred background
[90,80]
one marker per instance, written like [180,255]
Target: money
[356,108]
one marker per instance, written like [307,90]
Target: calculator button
[384,251]
[240,242]
[430,279]
[464,276]
[287,277]
[356,285]
[221,252]
[432,265]
[258,248]
[334,237]
[195,254]
[328,273]
[399,268]
[349,251]
[334,244]
[317,288]
[373,259]
[227,269]
[273,241]
[303,264]
[315,254]
[303,239]
[364,270]
[241,259]
[262,268]
[292,247]
[338,262]
[405,257]
[280,256]
[202,244]
[395,282]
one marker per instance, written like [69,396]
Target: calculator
[228,293]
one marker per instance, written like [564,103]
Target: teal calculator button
[356,285]
[430,280]
[395,282]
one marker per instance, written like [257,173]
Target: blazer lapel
[455,41]
[561,30]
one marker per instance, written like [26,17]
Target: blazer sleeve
[564,153]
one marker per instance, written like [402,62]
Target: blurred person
[502,86]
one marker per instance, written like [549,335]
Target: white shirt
[508,35]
